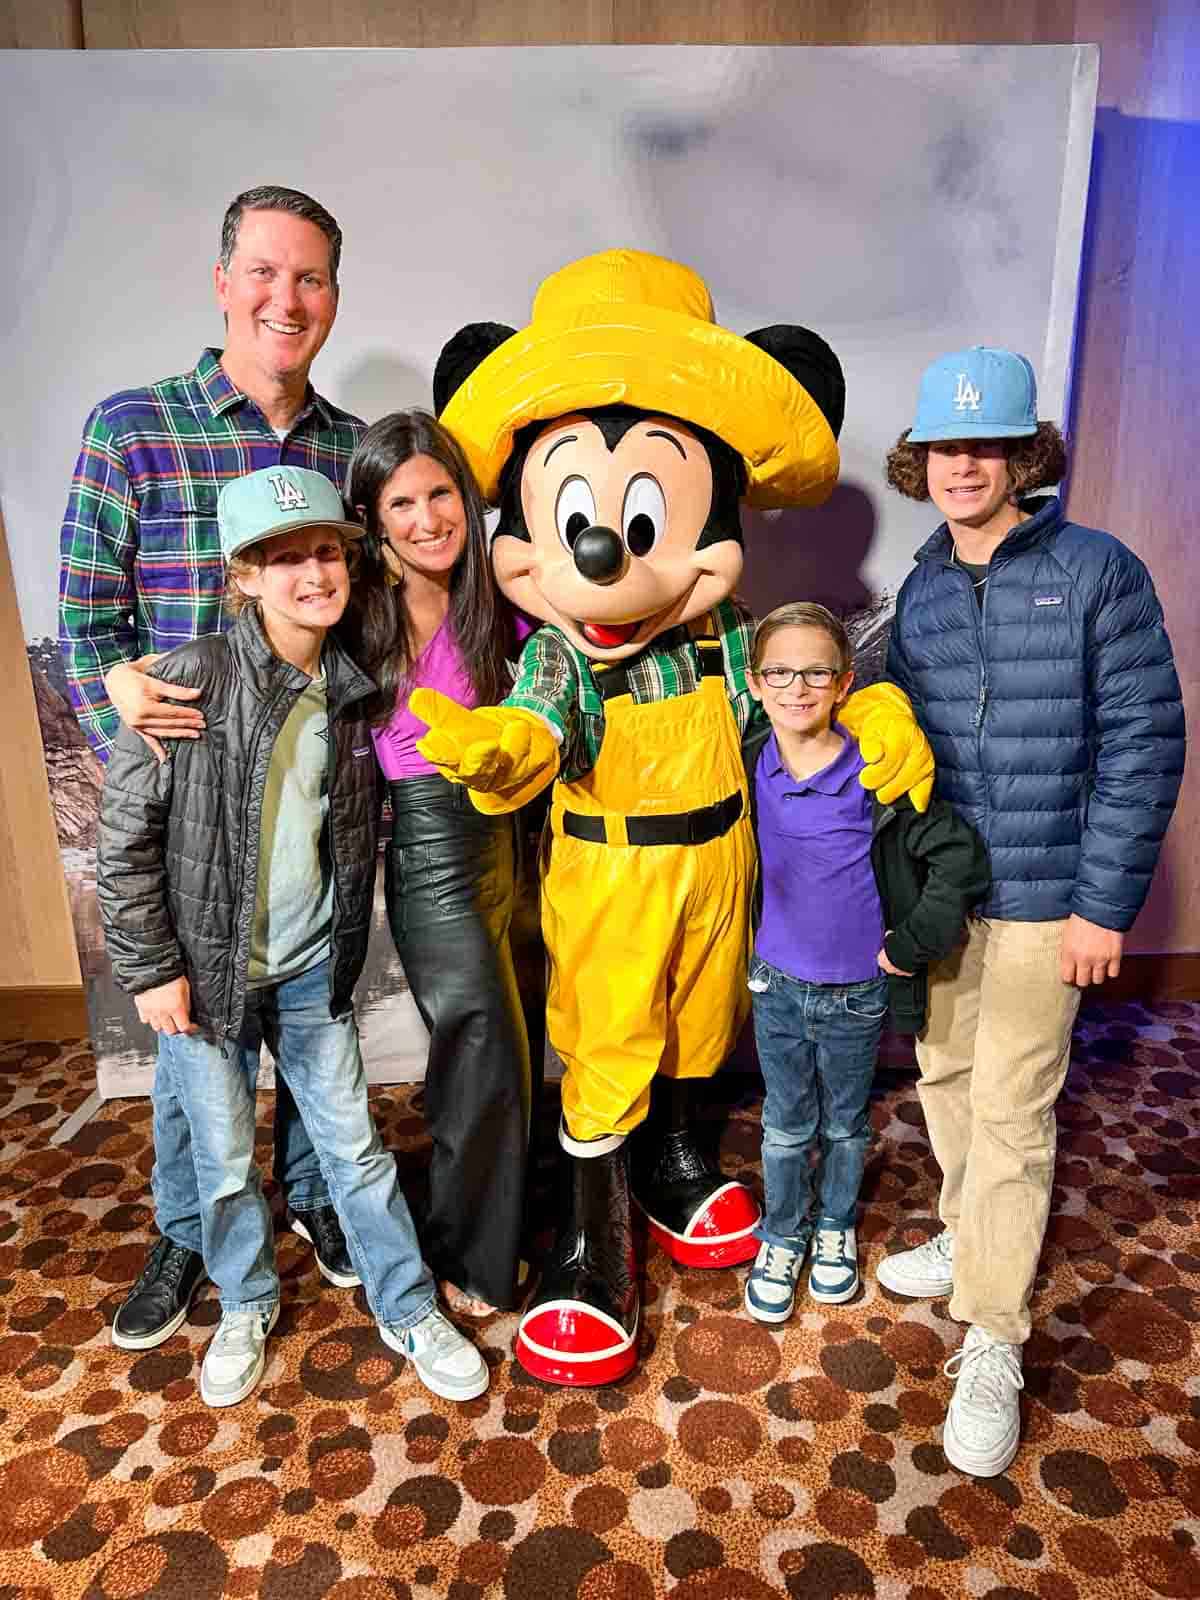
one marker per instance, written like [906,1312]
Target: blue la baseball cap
[980,393]
[275,500]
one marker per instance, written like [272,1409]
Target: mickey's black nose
[600,555]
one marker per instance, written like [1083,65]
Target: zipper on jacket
[981,706]
[980,611]
[332,765]
[980,620]
[336,910]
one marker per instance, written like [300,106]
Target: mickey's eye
[574,510]
[644,514]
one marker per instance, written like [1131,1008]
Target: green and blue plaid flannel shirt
[556,680]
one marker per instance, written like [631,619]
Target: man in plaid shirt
[142,572]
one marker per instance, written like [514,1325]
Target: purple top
[439,666]
[822,921]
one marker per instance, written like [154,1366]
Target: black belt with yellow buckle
[680,827]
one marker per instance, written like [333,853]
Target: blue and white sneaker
[771,1286]
[445,1362]
[834,1274]
[236,1356]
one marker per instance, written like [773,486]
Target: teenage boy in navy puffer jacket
[1036,659]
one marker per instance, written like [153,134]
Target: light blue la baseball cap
[276,500]
[980,393]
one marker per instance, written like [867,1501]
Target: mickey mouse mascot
[619,432]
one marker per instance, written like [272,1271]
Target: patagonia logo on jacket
[1047,599]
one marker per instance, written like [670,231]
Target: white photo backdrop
[901,201]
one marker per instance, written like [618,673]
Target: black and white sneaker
[323,1231]
[159,1300]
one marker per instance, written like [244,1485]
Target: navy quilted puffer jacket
[1054,713]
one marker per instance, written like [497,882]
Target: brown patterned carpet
[738,1463]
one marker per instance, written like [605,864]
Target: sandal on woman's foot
[464,1304]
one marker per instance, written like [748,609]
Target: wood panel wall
[37,945]
[1137,395]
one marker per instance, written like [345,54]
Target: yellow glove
[503,754]
[897,754]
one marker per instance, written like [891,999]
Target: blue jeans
[173,1180]
[817,1044]
[318,1057]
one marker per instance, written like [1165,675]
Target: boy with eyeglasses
[854,899]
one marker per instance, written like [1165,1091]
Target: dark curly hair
[1034,462]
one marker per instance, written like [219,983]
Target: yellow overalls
[649,940]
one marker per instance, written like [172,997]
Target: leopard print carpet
[737,1463]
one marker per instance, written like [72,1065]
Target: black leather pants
[449,885]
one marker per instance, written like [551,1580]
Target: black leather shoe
[159,1300]
[324,1232]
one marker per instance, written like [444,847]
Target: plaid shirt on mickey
[557,681]
[141,560]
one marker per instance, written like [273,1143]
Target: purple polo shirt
[822,921]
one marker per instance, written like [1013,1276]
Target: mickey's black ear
[811,362]
[462,355]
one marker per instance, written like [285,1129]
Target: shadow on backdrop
[811,555]
[377,384]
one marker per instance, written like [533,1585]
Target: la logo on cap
[966,397]
[288,497]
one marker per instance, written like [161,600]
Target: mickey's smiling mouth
[608,635]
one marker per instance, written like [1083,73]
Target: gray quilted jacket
[177,862]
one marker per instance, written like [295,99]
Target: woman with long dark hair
[428,613]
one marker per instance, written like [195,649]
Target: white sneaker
[770,1290]
[983,1423]
[236,1356]
[444,1361]
[833,1277]
[923,1273]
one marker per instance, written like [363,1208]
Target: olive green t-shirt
[293,905]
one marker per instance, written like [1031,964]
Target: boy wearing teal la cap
[235,883]
[1036,659]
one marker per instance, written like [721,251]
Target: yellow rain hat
[627,328]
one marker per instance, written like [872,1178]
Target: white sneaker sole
[341,1280]
[250,1384]
[150,1341]
[468,1389]
[832,1297]
[912,1288]
[759,1314]
[437,1386]
[977,1463]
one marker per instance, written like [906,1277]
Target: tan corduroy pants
[993,1057]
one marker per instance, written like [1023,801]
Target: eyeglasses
[784,677]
